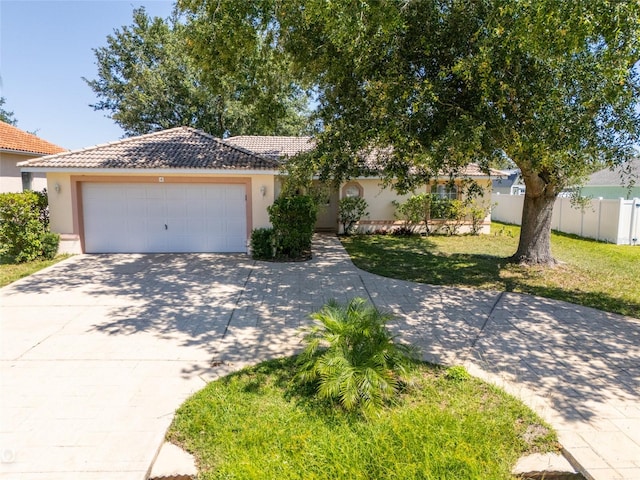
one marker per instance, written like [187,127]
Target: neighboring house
[508,184]
[17,146]
[182,190]
[614,184]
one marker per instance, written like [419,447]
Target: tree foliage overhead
[235,45]
[150,78]
[549,83]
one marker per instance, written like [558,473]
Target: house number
[161,179]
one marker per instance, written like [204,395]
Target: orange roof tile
[12,138]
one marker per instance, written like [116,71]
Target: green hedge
[293,219]
[262,244]
[24,234]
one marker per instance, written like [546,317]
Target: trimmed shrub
[454,213]
[293,219]
[50,243]
[350,211]
[415,213]
[477,213]
[21,230]
[262,247]
[24,221]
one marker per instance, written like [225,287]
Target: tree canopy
[552,85]
[150,78]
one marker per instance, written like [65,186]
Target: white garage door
[152,218]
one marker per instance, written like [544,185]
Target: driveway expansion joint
[238,298]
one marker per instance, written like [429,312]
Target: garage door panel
[151,191]
[164,218]
[138,210]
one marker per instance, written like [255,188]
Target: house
[183,190]
[16,146]
[614,183]
[510,183]
[380,199]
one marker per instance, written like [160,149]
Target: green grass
[10,272]
[594,274]
[260,424]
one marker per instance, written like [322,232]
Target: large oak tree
[551,84]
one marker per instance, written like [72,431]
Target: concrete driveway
[97,353]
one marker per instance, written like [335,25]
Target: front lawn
[594,274]
[260,423]
[10,272]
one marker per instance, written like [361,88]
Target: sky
[46,49]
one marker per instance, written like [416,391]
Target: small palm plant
[353,357]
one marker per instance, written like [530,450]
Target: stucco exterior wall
[382,211]
[60,206]
[10,176]
[380,199]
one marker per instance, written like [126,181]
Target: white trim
[146,171]
[25,153]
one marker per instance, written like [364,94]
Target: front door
[328,212]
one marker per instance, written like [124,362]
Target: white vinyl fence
[614,221]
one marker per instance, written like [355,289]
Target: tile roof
[273,147]
[616,177]
[474,170]
[374,161]
[281,147]
[176,148]
[14,139]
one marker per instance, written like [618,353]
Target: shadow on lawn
[480,271]
[598,300]
[420,261]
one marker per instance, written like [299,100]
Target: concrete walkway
[97,353]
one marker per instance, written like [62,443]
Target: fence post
[559,202]
[582,221]
[599,217]
[633,227]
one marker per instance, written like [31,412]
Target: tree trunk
[534,247]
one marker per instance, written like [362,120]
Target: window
[27,181]
[352,190]
[445,191]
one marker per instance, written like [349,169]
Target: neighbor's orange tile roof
[12,138]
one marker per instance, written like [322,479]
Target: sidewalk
[98,351]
